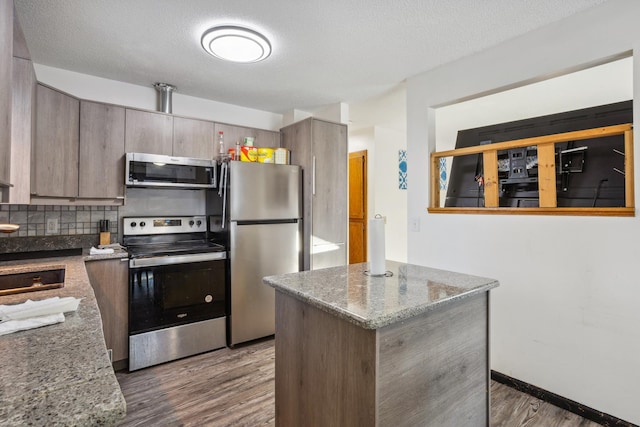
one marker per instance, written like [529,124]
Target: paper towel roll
[376,246]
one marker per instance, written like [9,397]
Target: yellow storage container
[248,154]
[265,155]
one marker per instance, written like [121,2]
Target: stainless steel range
[177,289]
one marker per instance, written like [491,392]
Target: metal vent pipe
[164,97]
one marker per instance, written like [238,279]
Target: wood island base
[431,369]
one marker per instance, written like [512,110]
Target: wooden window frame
[546,175]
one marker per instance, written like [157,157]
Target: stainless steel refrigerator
[257,213]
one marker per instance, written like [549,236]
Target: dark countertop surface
[59,375]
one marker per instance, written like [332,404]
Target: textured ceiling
[323,51]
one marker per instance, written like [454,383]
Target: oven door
[171,291]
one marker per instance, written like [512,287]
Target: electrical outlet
[53,226]
[415,224]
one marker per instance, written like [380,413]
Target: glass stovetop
[174,248]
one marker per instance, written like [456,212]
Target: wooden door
[358,207]
[101,150]
[193,138]
[54,169]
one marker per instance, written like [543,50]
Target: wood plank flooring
[235,387]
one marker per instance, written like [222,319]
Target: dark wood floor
[235,387]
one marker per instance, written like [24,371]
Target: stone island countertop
[409,349]
[375,302]
[59,375]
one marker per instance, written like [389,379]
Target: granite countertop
[59,375]
[375,302]
[115,255]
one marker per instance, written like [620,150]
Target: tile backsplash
[71,220]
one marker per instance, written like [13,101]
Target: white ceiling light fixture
[236,44]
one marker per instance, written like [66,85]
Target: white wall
[384,196]
[115,92]
[390,201]
[599,85]
[565,317]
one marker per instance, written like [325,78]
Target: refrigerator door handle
[313,175]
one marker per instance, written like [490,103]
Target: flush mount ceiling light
[236,44]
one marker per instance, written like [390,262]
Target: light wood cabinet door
[263,138]
[20,49]
[297,139]
[101,168]
[110,282]
[6,66]
[267,138]
[193,138]
[330,189]
[54,169]
[321,149]
[148,132]
[22,130]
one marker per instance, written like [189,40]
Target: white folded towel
[96,251]
[10,326]
[45,307]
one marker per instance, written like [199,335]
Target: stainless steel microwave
[155,170]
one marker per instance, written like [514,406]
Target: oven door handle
[175,259]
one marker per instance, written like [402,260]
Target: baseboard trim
[561,402]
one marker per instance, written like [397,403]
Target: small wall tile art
[443,173]
[402,169]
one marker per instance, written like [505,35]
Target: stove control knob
[198,223]
[142,224]
[133,224]
[191,223]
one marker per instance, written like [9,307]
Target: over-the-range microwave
[155,170]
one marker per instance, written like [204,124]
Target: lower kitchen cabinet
[109,279]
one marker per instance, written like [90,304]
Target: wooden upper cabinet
[267,138]
[6,66]
[101,168]
[22,130]
[233,134]
[20,49]
[54,167]
[147,132]
[193,138]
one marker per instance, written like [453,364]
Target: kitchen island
[59,375]
[406,350]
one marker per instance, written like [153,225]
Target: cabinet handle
[313,175]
